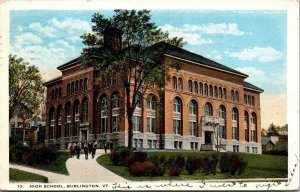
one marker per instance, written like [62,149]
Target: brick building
[203,102]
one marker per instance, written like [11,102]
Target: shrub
[224,163]
[179,161]
[174,171]
[16,152]
[193,164]
[114,157]
[141,168]
[122,154]
[210,164]
[42,155]
[232,164]
[136,157]
[159,168]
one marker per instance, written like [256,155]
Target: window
[236,96]
[76,87]
[208,109]
[221,131]
[104,125]
[222,112]
[220,93]
[81,85]
[76,108]
[149,144]
[136,120]
[254,149]
[135,143]
[193,128]
[115,100]
[193,117]
[190,85]
[68,89]
[235,148]
[115,123]
[249,100]
[245,99]
[234,133]
[85,84]
[115,111]
[103,114]
[211,90]
[200,88]
[85,111]
[234,114]
[224,93]
[247,150]
[177,127]
[68,120]
[193,107]
[216,91]
[177,105]
[195,88]
[137,100]
[52,95]
[205,89]
[151,102]
[246,124]
[253,135]
[180,84]
[59,93]
[232,95]
[175,144]
[192,145]
[174,82]
[150,124]
[253,101]
[104,104]
[56,94]
[72,88]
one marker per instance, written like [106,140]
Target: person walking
[86,150]
[77,150]
[94,146]
[72,149]
[90,146]
[106,144]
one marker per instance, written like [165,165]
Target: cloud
[261,54]
[71,24]
[44,30]
[20,28]
[27,39]
[190,38]
[215,28]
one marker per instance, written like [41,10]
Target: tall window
[208,109]
[76,118]
[52,123]
[177,108]
[174,82]
[245,99]
[72,88]
[237,96]
[253,101]
[193,117]
[246,126]
[136,119]
[68,89]
[253,127]
[249,100]
[200,88]
[195,88]
[52,95]
[190,85]
[216,91]
[68,120]
[221,128]
[232,95]
[76,87]
[235,132]
[59,93]
[85,110]
[211,90]
[205,89]
[220,93]
[104,114]
[115,112]
[180,84]
[59,115]
[81,85]
[224,93]
[151,113]
[85,84]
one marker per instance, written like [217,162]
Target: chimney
[112,39]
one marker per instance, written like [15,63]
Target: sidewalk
[80,171]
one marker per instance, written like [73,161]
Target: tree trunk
[130,129]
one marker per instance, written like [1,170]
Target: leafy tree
[25,88]
[137,62]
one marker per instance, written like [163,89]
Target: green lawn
[16,175]
[57,166]
[259,166]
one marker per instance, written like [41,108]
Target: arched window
[85,84]
[246,125]
[151,113]
[195,88]
[216,91]
[174,82]
[193,116]
[56,94]
[253,127]
[222,125]
[205,89]
[253,101]
[211,90]
[76,118]
[72,88]
[76,87]
[103,109]
[68,89]
[136,118]
[190,85]
[249,100]
[180,84]
[235,130]
[200,88]
[220,93]
[177,123]
[52,95]
[59,115]
[81,85]
[115,112]
[232,95]
[237,96]
[208,109]
[59,93]
[245,99]
[225,93]
[68,119]
[85,110]
[52,123]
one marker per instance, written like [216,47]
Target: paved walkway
[80,171]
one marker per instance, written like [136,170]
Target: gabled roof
[252,87]
[70,63]
[266,140]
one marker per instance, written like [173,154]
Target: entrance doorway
[83,135]
[208,137]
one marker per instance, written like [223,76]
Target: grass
[16,175]
[259,166]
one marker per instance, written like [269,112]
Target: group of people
[88,148]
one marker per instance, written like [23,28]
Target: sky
[252,42]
